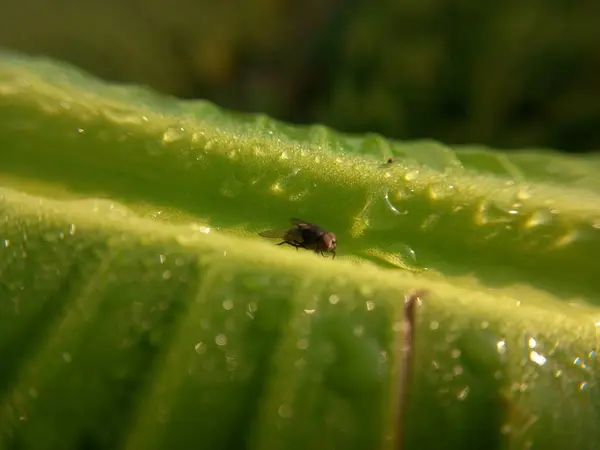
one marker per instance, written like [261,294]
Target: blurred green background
[507,74]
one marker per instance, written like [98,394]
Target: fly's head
[328,242]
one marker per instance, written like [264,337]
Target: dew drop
[72,229]
[434,325]
[501,347]
[523,194]
[166,275]
[302,344]
[539,217]
[285,411]
[66,356]
[309,311]
[359,330]
[463,393]
[583,386]
[6,243]
[412,175]
[532,342]
[333,299]
[455,353]
[228,305]
[537,358]
[221,339]
[173,134]
[370,305]
[457,370]
[199,347]
[162,258]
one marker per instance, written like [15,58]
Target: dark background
[507,74]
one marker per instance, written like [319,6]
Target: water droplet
[72,229]
[537,358]
[485,324]
[532,342]
[455,353]
[309,311]
[457,370]
[199,347]
[523,194]
[6,243]
[166,275]
[66,356]
[284,155]
[285,411]
[173,134]
[579,362]
[162,258]
[537,218]
[33,392]
[227,305]
[412,175]
[439,191]
[370,305]
[302,343]
[434,325]
[221,339]
[276,188]
[359,330]
[333,299]
[463,393]
[583,386]
[501,347]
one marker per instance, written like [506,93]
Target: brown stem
[405,358]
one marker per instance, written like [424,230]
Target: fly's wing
[275,234]
[302,224]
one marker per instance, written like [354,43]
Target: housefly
[305,235]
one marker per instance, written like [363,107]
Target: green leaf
[139,309]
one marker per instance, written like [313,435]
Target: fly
[305,235]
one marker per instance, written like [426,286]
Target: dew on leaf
[501,347]
[66,356]
[439,191]
[359,330]
[537,358]
[333,299]
[370,305]
[531,342]
[302,344]
[200,348]
[221,339]
[455,353]
[434,325]
[285,411]
[537,218]
[228,304]
[412,175]
[173,134]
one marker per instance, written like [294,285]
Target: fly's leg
[291,243]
